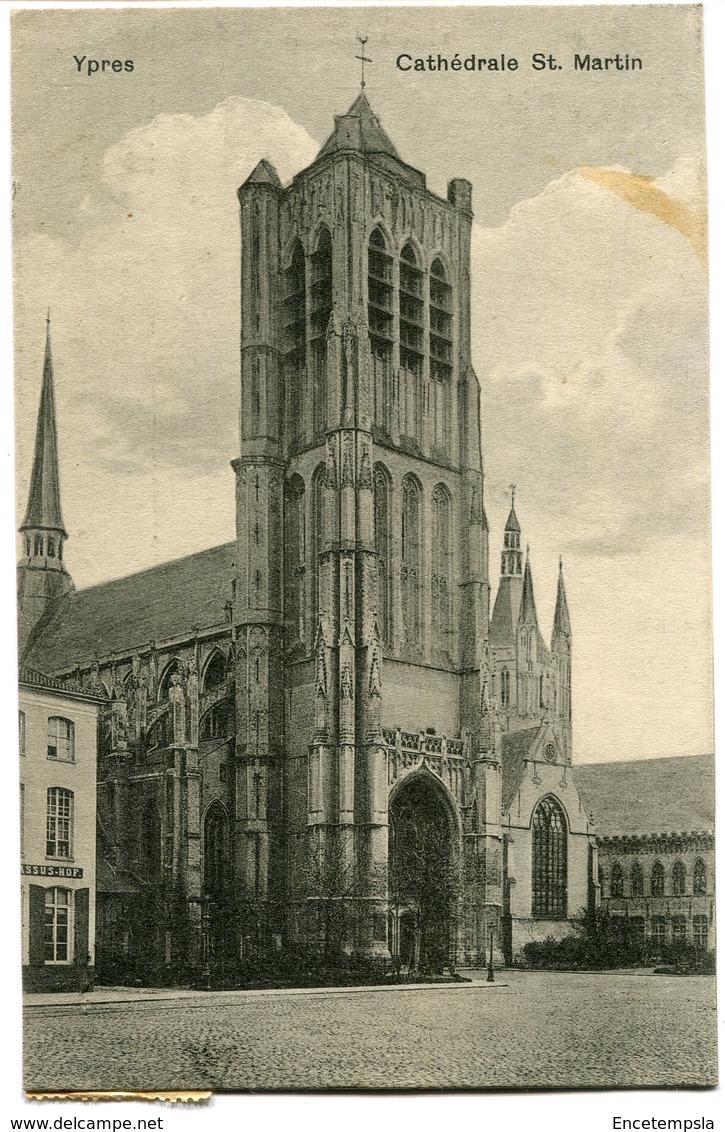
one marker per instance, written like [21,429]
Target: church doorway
[423,875]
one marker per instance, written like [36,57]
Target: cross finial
[47,319]
[513,494]
[362,40]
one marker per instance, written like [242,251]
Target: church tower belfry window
[381,504]
[441,351]
[410,555]
[411,341]
[294,340]
[380,322]
[321,309]
[441,571]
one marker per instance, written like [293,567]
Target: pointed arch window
[441,570]
[441,351]
[381,506]
[216,839]
[616,880]
[636,880]
[699,878]
[294,339]
[679,877]
[549,873]
[410,561]
[657,879]
[411,343]
[505,687]
[294,555]
[380,323]
[321,309]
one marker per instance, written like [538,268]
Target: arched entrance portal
[423,875]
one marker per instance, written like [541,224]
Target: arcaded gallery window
[59,823]
[60,739]
[637,880]
[616,883]
[699,878]
[678,879]
[549,850]
[56,942]
[657,880]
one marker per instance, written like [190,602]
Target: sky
[588,278]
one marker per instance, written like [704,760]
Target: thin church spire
[43,510]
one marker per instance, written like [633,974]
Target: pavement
[526,1030]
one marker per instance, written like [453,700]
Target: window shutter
[37,926]
[81,927]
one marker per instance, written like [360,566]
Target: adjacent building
[58,725]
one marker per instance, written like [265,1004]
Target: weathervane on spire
[362,40]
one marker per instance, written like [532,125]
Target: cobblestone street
[528,1030]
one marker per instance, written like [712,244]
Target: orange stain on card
[643,194]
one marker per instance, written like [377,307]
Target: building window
[441,570]
[636,880]
[549,861]
[21,732]
[58,907]
[38,544]
[678,879]
[505,688]
[51,548]
[699,878]
[22,820]
[441,351]
[380,322]
[657,879]
[679,929]
[222,772]
[699,931]
[381,515]
[318,532]
[616,881]
[321,309]
[294,553]
[215,848]
[59,823]
[411,342]
[294,327]
[657,931]
[410,555]
[60,739]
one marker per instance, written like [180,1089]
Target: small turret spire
[562,624]
[527,612]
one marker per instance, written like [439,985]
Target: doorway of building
[423,875]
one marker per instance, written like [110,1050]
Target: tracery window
[616,880]
[380,322]
[657,879]
[549,879]
[381,507]
[678,879]
[636,880]
[441,570]
[321,309]
[699,878]
[294,323]
[410,557]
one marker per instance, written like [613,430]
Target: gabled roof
[43,509]
[38,681]
[159,604]
[365,134]
[674,795]
[516,747]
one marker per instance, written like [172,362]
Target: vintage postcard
[363,512]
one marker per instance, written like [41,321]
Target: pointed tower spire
[42,577]
[562,624]
[508,599]
[527,612]
[43,509]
